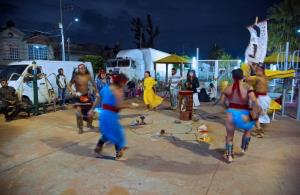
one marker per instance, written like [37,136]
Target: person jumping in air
[238,95]
[110,127]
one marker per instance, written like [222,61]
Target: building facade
[16,46]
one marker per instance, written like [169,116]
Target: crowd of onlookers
[134,88]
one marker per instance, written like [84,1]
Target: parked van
[19,75]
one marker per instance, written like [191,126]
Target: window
[133,65]
[123,63]
[37,52]
[111,63]
[11,69]
[14,53]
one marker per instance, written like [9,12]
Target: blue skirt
[238,121]
[111,129]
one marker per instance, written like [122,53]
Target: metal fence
[288,88]
[215,71]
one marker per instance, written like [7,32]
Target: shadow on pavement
[71,147]
[201,148]
[155,163]
[122,116]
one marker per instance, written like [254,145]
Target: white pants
[196,102]
[264,102]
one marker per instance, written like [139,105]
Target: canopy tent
[172,59]
[281,57]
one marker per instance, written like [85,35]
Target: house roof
[38,39]
[13,30]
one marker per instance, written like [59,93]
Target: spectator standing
[62,86]
[192,83]
[174,83]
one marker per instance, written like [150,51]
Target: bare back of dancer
[261,85]
[244,99]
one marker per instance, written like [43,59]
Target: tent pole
[298,106]
[167,72]
[181,69]
[155,70]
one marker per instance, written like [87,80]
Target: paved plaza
[45,155]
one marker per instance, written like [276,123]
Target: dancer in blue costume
[110,128]
[238,95]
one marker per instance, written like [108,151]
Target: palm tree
[215,52]
[137,28]
[284,18]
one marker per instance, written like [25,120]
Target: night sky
[184,24]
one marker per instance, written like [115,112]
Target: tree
[97,62]
[10,24]
[216,52]
[284,20]
[226,56]
[152,31]
[138,29]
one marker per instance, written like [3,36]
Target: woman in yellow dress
[150,98]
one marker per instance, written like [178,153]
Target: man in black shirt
[8,98]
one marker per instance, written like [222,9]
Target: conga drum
[186,105]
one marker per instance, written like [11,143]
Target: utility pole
[62,33]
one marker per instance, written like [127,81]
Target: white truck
[19,75]
[134,62]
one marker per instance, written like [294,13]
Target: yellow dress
[149,96]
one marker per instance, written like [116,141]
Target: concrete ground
[45,155]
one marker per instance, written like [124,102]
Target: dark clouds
[184,24]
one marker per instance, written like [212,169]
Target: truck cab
[21,78]
[122,65]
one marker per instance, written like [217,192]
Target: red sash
[260,94]
[239,106]
[110,108]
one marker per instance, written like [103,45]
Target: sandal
[260,133]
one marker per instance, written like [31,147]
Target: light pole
[61,26]
[63,37]
[68,41]
[62,42]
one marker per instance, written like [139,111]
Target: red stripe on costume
[260,94]
[239,106]
[110,108]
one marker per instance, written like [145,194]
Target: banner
[257,48]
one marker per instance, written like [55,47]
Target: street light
[63,37]
[70,24]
